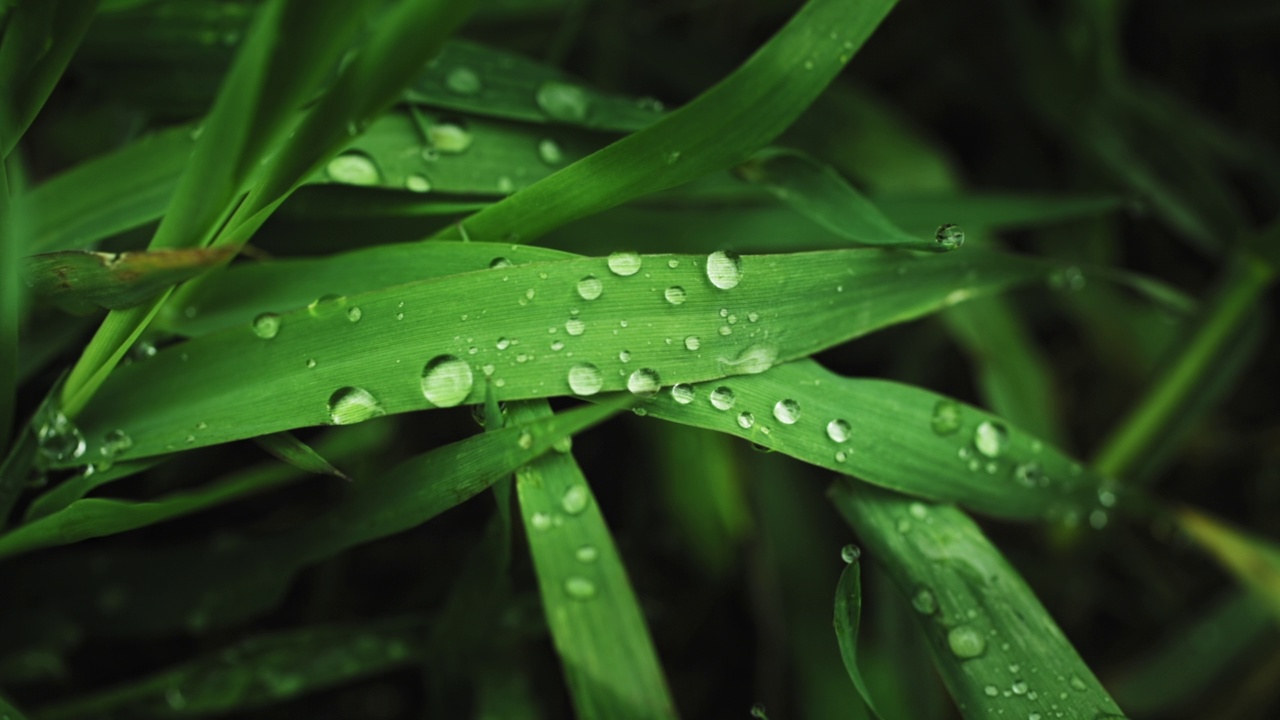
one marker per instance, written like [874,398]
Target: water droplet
[1077,683]
[506,185]
[746,420]
[949,236]
[758,712]
[549,151]
[311,363]
[990,438]
[725,330]
[266,325]
[966,642]
[579,588]
[838,430]
[540,521]
[1027,474]
[575,499]
[724,269]
[463,81]
[624,263]
[563,445]
[587,554]
[417,182]
[924,602]
[502,343]
[115,442]
[644,382]
[575,327]
[57,437]
[353,168]
[675,295]
[446,381]
[585,379]
[562,101]
[722,398]
[354,314]
[787,411]
[692,343]
[946,417]
[350,405]
[850,554]
[752,360]
[557,345]
[447,137]
[841,456]
[682,393]
[624,356]
[525,441]
[991,690]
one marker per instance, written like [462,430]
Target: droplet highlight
[447,381]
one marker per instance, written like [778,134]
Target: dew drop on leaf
[966,642]
[787,411]
[724,269]
[587,554]
[838,430]
[447,381]
[692,343]
[682,393]
[353,168]
[746,420]
[949,237]
[946,417]
[266,325]
[354,314]
[575,327]
[625,263]
[722,398]
[350,405]
[990,438]
[585,379]
[417,182]
[850,554]
[675,295]
[463,81]
[644,382]
[575,499]
[579,588]
[57,437]
[449,138]
[562,101]
[924,602]
[549,152]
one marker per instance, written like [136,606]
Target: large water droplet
[692,343]
[924,602]
[644,382]
[966,642]
[724,269]
[587,554]
[675,295]
[350,405]
[585,379]
[447,381]
[57,438]
[590,287]
[683,393]
[838,430]
[449,138]
[850,554]
[946,417]
[575,499]
[624,263]
[579,588]
[722,398]
[417,182]
[562,101]
[949,236]
[752,360]
[266,325]
[746,420]
[990,438]
[115,442]
[353,168]
[463,81]
[549,152]
[787,411]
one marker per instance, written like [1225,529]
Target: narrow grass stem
[1141,431]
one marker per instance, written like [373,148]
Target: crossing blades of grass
[649,322]
[997,649]
[609,661]
[848,616]
[258,672]
[81,282]
[39,37]
[720,128]
[202,586]
[1254,561]
[896,436]
[74,488]
[287,448]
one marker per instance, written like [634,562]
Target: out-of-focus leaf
[81,282]
[1254,561]
[848,616]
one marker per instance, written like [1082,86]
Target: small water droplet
[624,356]
[991,690]
[724,269]
[683,393]
[1019,688]
[463,81]
[549,152]
[311,363]
[671,157]
[692,343]
[758,712]
[540,521]
[850,554]
[354,314]
[838,430]
[946,417]
[924,602]
[506,185]
[266,325]
[841,456]
[575,499]
[575,327]
[417,182]
[350,405]
[746,420]
[450,138]
[353,168]
[1077,683]
[644,382]
[949,236]
[990,438]
[579,588]
[722,398]
[585,379]
[525,441]
[562,101]
[624,263]
[966,642]
[787,411]
[587,554]
[1027,474]
[57,437]
[447,381]
[563,445]
[115,442]
[502,343]
[675,295]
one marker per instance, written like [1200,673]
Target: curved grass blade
[848,617]
[258,672]
[817,192]
[718,129]
[600,635]
[202,586]
[82,282]
[243,382]
[72,489]
[39,38]
[997,649]
[1254,561]
[892,435]
[287,448]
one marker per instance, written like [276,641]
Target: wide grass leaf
[996,647]
[426,344]
[599,632]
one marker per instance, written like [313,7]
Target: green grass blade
[1253,560]
[12,245]
[287,448]
[300,360]
[848,616]
[39,38]
[258,672]
[8,711]
[720,128]
[81,282]
[609,660]
[74,488]
[898,437]
[996,647]
[920,213]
